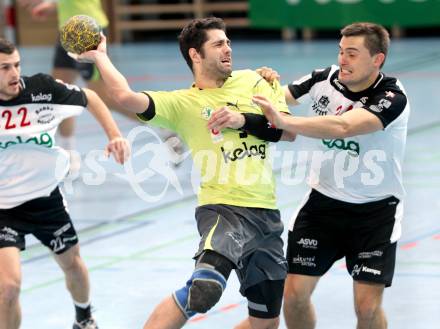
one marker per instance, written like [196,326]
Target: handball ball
[79,34]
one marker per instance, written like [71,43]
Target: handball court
[136,225]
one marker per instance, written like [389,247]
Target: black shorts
[88,71]
[248,237]
[46,218]
[326,230]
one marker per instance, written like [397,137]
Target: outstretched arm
[352,123]
[116,83]
[118,146]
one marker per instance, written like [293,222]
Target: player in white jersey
[358,118]
[31,167]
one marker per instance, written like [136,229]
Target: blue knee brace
[201,292]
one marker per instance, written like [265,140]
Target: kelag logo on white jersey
[43,139]
[351,146]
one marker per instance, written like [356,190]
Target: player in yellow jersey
[237,218]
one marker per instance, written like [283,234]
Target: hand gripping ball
[79,34]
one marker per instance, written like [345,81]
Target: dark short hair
[6,47]
[194,35]
[377,38]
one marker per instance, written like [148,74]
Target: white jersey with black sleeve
[31,165]
[361,168]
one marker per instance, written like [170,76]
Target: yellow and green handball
[79,34]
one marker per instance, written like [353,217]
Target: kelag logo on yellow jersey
[245,151]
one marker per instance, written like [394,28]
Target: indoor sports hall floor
[138,238]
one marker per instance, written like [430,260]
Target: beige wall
[32,33]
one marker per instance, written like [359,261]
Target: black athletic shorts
[326,230]
[46,218]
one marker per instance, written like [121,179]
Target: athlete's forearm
[330,126]
[287,136]
[118,86]
[351,123]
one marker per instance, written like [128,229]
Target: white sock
[82,305]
